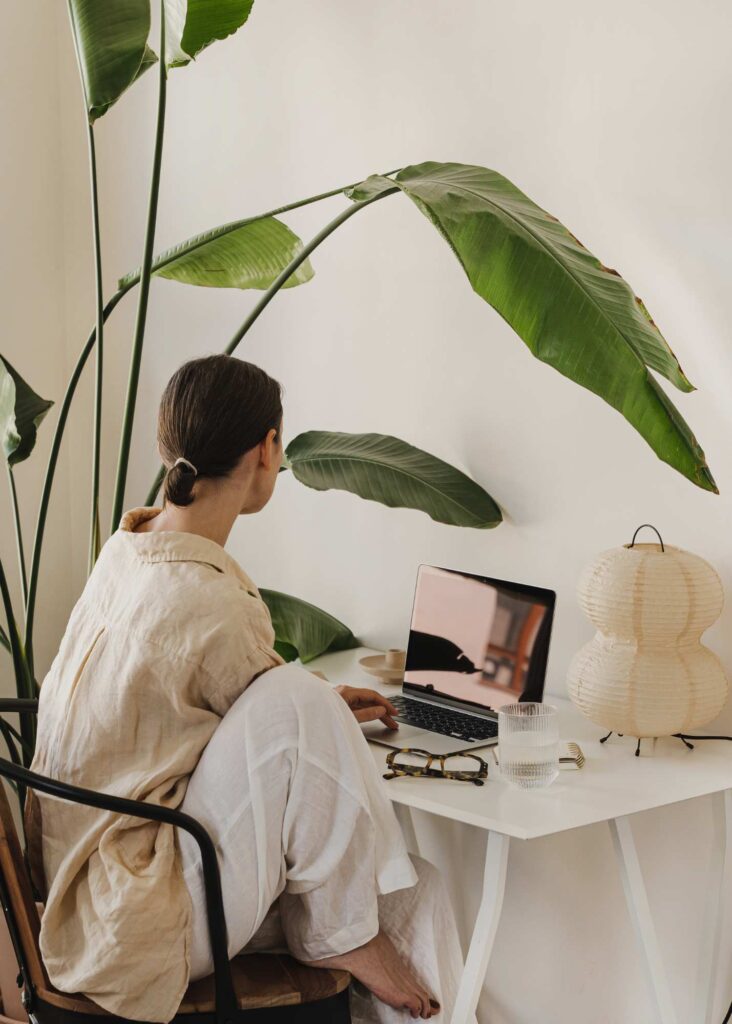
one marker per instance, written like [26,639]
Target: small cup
[395,658]
[528,744]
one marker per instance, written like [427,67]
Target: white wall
[32,296]
[613,118]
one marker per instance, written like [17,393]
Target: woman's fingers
[368,714]
[373,714]
[368,705]
[360,696]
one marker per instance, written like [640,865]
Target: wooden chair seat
[261,981]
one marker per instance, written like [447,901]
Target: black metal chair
[250,989]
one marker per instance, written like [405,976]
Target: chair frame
[226,1009]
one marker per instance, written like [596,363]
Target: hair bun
[179,481]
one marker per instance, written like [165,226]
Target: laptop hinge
[453,705]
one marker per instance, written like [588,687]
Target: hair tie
[185,462]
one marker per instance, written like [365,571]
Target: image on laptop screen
[478,640]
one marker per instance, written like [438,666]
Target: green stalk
[276,285]
[24,686]
[292,266]
[16,648]
[145,275]
[86,351]
[226,229]
[18,534]
[94,538]
[48,481]
[91,148]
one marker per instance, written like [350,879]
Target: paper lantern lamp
[645,672]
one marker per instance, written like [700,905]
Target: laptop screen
[476,640]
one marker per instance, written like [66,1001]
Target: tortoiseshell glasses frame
[477,776]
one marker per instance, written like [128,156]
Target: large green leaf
[247,254]
[192,25]
[111,42]
[21,411]
[304,631]
[573,312]
[385,469]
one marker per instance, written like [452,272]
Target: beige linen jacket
[167,633]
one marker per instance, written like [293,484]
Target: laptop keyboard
[434,718]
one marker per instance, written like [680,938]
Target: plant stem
[99,298]
[94,538]
[129,282]
[225,229]
[86,351]
[48,481]
[15,645]
[295,263]
[18,534]
[276,285]
[145,275]
[23,677]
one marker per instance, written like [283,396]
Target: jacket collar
[176,546]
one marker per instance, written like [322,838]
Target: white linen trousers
[311,855]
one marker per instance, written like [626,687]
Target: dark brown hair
[213,410]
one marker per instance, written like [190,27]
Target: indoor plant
[571,311]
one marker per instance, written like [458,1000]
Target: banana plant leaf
[111,44]
[572,312]
[246,254]
[21,411]
[192,25]
[303,630]
[385,469]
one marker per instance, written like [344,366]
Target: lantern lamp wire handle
[650,527]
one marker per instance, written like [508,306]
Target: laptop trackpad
[412,736]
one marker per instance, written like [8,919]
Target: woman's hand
[368,705]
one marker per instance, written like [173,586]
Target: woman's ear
[268,449]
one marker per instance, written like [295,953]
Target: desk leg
[640,915]
[406,822]
[706,983]
[484,932]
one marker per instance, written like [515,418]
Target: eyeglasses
[421,762]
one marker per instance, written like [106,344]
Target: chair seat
[266,980]
[261,981]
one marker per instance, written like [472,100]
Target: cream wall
[32,295]
[612,117]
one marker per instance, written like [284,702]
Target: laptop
[475,643]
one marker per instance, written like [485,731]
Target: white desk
[612,786]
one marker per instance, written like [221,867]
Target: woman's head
[220,418]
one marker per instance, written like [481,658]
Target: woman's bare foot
[378,966]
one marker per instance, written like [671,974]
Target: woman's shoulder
[165,591]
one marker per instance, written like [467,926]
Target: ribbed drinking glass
[528,744]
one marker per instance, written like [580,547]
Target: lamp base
[676,736]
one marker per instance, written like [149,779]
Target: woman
[167,688]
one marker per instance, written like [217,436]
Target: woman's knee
[281,698]
[290,684]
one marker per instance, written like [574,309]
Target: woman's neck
[209,515]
